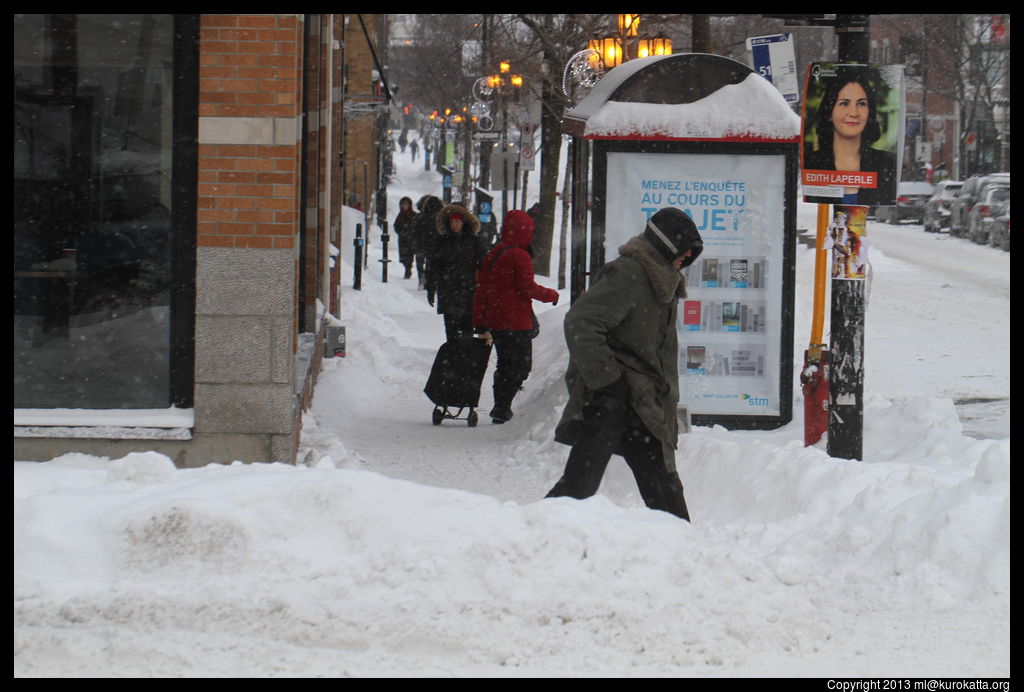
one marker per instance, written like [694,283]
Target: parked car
[999,231]
[990,204]
[910,201]
[937,208]
[968,197]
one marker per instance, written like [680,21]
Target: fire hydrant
[814,383]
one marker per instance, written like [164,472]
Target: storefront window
[94,198]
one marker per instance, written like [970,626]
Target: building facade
[177,218]
[957,71]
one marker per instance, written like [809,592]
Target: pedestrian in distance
[503,308]
[451,269]
[404,229]
[414,147]
[623,373]
[424,234]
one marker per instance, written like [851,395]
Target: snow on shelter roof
[684,96]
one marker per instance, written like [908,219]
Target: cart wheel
[472,419]
[438,416]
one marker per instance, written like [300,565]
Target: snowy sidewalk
[407,549]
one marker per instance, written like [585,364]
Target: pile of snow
[799,565]
[796,564]
[407,549]
[753,108]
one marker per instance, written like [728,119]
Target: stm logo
[754,400]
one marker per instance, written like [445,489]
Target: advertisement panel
[735,329]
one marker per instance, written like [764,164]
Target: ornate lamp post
[627,44]
[502,85]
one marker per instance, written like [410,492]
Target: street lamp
[629,24]
[627,44]
[503,84]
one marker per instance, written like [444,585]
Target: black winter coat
[405,224]
[452,264]
[424,225]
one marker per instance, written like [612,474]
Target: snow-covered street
[400,548]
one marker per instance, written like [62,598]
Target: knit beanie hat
[672,233]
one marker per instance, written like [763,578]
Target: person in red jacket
[503,307]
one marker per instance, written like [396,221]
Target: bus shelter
[709,136]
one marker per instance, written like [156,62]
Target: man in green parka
[623,374]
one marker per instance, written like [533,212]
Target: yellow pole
[820,277]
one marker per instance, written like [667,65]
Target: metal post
[814,378]
[846,371]
[580,192]
[504,176]
[384,237]
[357,282]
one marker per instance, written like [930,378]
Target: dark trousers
[457,327]
[421,264]
[610,426]
[514,363]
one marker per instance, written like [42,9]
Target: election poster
[731,323]
[852,138]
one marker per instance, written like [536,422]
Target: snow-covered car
[967,197]
[999,229]
[990,204]
[910,201]
[937,208]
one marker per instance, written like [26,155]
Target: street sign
[775,59]
[526,157]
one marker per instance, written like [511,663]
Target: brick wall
[249,154]
[361,145]
[247,236]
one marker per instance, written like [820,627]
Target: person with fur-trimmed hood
[503,308]
[623,373]
[451,269]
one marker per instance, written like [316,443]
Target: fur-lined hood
[472,223]
[668,284]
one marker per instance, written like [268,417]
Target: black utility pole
[846,374]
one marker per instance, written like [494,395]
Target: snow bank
[753,108]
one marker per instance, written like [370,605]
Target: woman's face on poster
[851,112]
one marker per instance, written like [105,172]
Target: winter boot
[501,414]
[504,392]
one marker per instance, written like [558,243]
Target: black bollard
[384,237]
[358,264]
